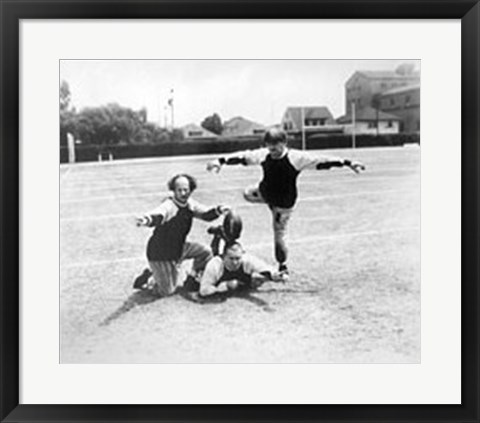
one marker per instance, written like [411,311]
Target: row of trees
[117,125]
[109,125]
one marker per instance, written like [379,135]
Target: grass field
[353,294]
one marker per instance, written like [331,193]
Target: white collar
[178,203]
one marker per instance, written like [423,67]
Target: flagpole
[303,130]
[160,111]
[353,124]
[170,102]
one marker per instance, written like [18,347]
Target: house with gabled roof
[316,119]
[370,121]
[242,127]
[196,132]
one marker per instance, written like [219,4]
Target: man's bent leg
[165,275]
[200,254]
[280,217]
[252,194]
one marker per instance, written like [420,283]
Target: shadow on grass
[247,296]
[195,298]
[221,298]
[138,298]
[291,291]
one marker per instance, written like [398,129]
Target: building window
[194,133]
[259,131]
[407,100]
[372,124]
[315,122]
[390,124]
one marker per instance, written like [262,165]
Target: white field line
[318,238]
[230,188]
[231,175]
[63,176]
[197,157]
[336,237]
[143,160]
[241,205]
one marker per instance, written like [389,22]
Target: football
[232,225]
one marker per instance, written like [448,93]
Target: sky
[259,90]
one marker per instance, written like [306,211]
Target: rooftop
[367,114]
[404,89]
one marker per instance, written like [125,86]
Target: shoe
[283,270]
[191,284]
[141,281]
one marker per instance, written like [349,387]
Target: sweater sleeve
[203,212]
[246,158]
[305,160]
[211,275]
[252,264]
[160,214]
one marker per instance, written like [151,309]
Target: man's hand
[280,277]
[357,167]
[233,285]
[142,221]
[221,287]
[226,286]
[222,209]
[214,166]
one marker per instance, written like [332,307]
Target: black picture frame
[13,11]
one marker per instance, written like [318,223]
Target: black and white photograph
[240,211]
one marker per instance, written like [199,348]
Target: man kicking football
[278,188]
[168,247]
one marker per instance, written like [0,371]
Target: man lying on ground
[235,270]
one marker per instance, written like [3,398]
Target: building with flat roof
[362,87]
[403,102]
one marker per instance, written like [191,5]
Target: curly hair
[192,182]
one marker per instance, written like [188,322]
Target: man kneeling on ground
[168,246]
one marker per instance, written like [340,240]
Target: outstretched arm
[149,220]
[357,167]
[245,158]
[261,272]
[208,214]
[304,160]
[258,278]
[154,217]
